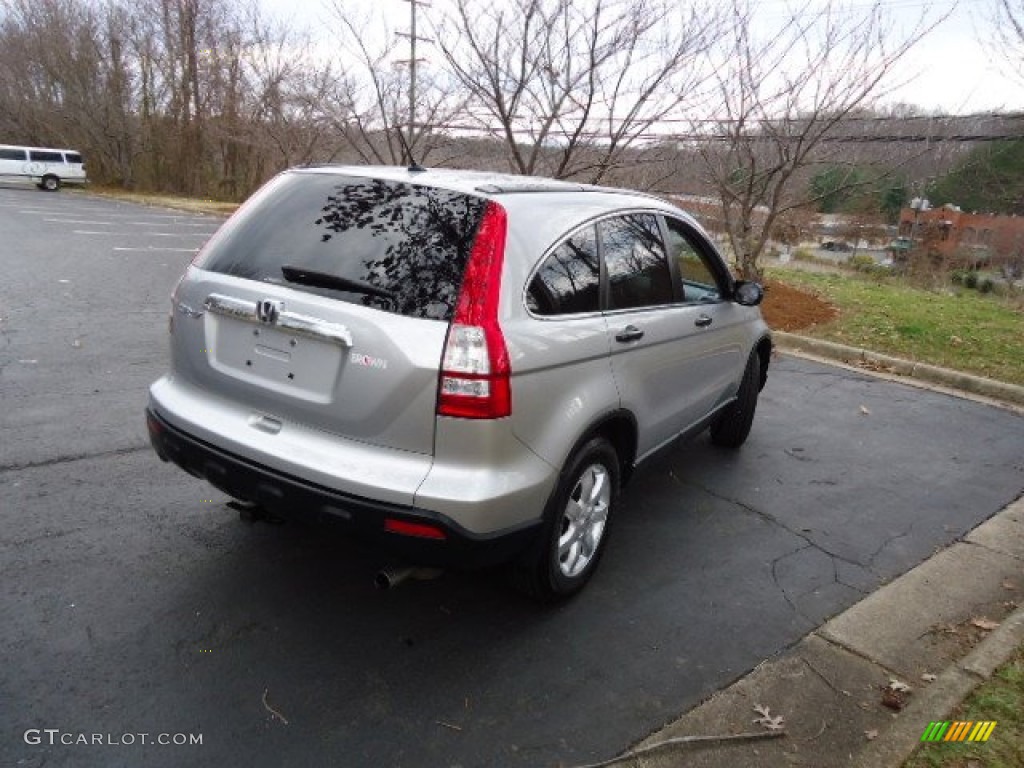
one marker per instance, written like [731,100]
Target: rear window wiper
[326,280]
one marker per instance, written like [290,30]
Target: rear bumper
[443,542]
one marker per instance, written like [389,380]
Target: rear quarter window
[37,156]
[408,241]
[73,157]
[569,280]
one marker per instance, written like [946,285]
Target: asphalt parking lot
[134,601]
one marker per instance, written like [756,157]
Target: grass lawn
[1000,699]
[961,329]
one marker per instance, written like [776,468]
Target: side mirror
[747,293]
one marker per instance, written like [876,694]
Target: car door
[669,359]
[711,326]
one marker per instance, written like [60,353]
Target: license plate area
[276,359]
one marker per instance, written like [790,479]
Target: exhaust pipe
[251,512]
[388,578]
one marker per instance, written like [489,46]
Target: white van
[47,168]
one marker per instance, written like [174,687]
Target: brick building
[968,238]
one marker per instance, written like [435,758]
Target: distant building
[971,238]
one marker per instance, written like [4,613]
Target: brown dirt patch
[786,308]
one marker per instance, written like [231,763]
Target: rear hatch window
[390,245]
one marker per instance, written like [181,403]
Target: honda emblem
[267,311]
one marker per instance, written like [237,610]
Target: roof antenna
[414,167]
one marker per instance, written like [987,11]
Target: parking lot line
[80,221]
[136,234]
[156,248]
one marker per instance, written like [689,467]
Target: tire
[50,183]
[731,427]
[566,553]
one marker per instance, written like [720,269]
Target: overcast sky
[951,71]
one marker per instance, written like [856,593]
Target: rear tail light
[475,372]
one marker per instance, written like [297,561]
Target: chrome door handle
[703,321]
[629,333]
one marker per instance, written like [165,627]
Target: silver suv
[464,366]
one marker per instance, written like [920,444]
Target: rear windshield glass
[405,244]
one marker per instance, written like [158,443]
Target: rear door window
[634,254]
[406,244]
[569,280]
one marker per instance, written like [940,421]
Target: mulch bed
[786,308]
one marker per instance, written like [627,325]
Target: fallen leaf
[986,624]
[895,700]
[871,735]
[1009,585]
[898,685]
[865,410]
[928,677]
[767,720]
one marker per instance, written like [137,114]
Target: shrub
[861,262]
[986,285]
[971,280]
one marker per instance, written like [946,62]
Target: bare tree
[785,89]
[1008,29]
[570,85]
[191,96]
[369,103]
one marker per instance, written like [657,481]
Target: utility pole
[412,61]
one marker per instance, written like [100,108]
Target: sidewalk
[829,688]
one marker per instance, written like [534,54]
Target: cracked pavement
[134,600]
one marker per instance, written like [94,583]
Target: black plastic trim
[290,496]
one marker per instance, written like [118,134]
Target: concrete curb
[966,382]
[895,744]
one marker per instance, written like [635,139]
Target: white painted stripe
[175,223]
[51,211]
[136,223]
[157,248]
[80,221]
[72,210]
[146,234]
